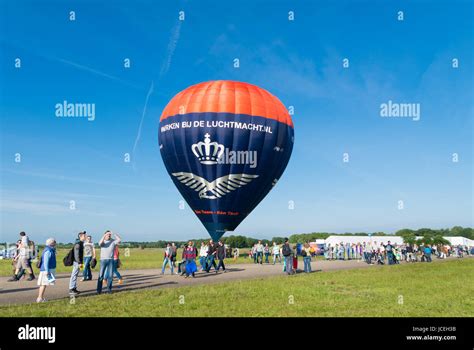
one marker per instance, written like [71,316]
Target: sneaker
[31,278]
[39,300]
[13,279]
[83,279]
[120,281]
[74,291]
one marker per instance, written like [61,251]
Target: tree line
[429,236]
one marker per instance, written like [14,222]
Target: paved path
[23,291]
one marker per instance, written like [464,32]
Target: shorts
[43,278]
[23,263]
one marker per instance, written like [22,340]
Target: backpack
[69,258]
[303,253]
[286,250]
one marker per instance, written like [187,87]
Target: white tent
[393,239]
[460,241]
[361,239]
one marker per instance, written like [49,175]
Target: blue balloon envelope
[225,144]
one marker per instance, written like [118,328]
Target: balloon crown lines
[210,153]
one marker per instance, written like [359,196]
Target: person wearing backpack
[286,252]
[78,253]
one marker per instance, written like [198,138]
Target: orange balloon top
[225,96]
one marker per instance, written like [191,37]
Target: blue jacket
[48,259]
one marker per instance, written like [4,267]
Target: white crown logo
[207,152]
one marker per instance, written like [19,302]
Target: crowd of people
[207,255]
[375,253]
[82,256]
[286,254]
[210,255]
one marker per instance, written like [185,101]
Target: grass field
[134,258]
[408,290]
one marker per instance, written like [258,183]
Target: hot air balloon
[225,144]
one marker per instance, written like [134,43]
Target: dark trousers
[221,263]
[390,258]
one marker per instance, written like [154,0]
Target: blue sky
[300,61]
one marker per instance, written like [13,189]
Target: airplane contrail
[173,42]
[150,91]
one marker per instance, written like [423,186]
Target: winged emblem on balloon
[217,188]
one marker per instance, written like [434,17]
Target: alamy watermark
[211,152]
[75,110]
[392,109]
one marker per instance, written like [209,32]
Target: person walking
[220,256]
[306,253]
[211,256]
[368,253]
[203,255]
[107,247]
[16,276]
[77,264]
[190,253]
[117,264]
[47,264]
[89,254]
[382,252]
[348,251]
[259,250]
[23,259]
[427,253]
[341,251]
[276,253]
[254,253]
[390,253]
[236,253]
[174,253]
[167,259]
[287,254]
[266,252]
